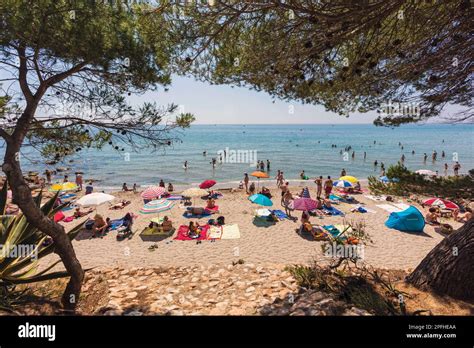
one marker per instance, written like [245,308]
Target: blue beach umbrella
[342,183]
[260,200]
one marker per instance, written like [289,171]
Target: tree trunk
[448,269]
[63,246]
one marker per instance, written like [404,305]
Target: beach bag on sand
[221,220]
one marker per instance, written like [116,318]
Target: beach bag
[221,220]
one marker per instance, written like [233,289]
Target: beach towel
[114,224]
[69,219]
[212,210]
[183,233]
[390,208]
[332,230]
[174,197]
[215,232]
[263,212]
[59,216]
[376,198]
[230,232]
[401,206]
[188,215]
[280,214]
[332,211]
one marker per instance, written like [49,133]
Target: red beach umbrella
[207,184]
[441,203]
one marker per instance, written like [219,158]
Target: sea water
[290,148]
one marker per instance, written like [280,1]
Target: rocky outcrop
[241,289]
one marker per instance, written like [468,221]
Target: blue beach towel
[188,215]
[280,214]
[115,224]
[333,211]
[332,230]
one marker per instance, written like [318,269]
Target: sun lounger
[230,232]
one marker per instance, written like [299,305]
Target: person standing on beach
[66,178]
[446,169]
[278,177]
[434,155]
[343,172]
[48,176]
[262,166]
[79,181]
[134,189]
[328,187]
[268,165]
[319,186]
[162,183]
[284,188]
[456,168]
[246,182]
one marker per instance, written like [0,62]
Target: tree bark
[448,269]
[22,195]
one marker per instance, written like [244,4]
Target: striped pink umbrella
[304,204]
[153,192]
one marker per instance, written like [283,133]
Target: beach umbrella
[441,203]
[305,204]
[207,184]
[152,192]
[194,192]
[305,193]
[94,199]
[351,179]
[156,206]
[261,200]
[342,183]
[259,175]
[67,186]
[425,172]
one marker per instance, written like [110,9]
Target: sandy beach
[277,244]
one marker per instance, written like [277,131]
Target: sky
[212,104]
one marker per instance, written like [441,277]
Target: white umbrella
[194,192]
[94,199]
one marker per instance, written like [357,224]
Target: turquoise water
[291,148]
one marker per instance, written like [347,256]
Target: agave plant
[16,233]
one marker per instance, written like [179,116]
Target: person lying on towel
[78,213]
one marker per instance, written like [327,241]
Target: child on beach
[432,216]
[170,187]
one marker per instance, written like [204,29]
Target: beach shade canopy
[194,192]
[261,200]
[342,183]
[94,199]
[153,192]
[425,172]
[305,193]
[409,220]
[156,206]
[260,175]
[351,179]
[67,186]
[305,204]
[207,184]
[441,203]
